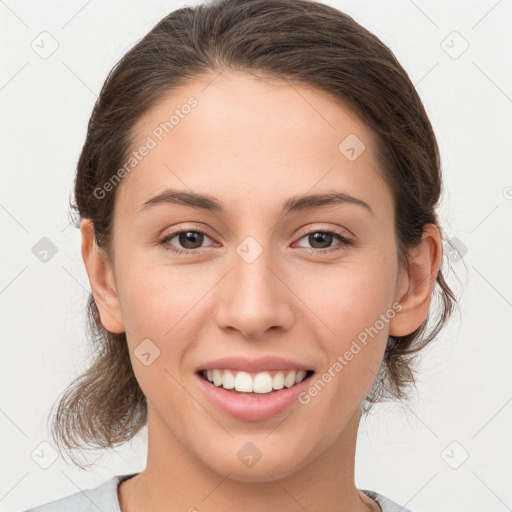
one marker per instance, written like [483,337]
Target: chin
[266,469]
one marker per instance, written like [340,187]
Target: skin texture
[253,143]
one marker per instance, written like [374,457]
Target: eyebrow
[212,204]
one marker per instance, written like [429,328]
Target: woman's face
[265,280]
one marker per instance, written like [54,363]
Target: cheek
[350,297]
[156,297]
[352,301]
[352,306]
[162,304]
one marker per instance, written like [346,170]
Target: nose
[254,297]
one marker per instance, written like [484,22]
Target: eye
[324,238]
[190,239]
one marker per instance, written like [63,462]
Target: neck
[177,479]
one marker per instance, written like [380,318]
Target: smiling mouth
[254,383]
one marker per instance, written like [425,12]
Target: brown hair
[301,41]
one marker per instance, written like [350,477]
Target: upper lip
[259,364]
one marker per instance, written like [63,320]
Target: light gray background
[465,386]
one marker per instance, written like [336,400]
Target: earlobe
[101,279]
[419,282]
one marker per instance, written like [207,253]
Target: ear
[101,278]
[414,287]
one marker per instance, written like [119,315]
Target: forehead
[237,135]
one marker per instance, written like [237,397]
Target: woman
[257,197]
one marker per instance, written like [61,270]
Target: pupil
[320,237]
[191,237]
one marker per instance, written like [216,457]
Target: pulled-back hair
[300,41]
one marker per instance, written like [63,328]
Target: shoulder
[385,503]
[103,497]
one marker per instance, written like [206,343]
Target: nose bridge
[252,276]
[253,298]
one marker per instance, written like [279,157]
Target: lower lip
[253,408]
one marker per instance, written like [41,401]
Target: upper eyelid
[308,230]
[304,231]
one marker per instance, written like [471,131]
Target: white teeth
[217,377]
[243,382]
[301,374]
[228,380]
[278,380]
[290,379]
[262,382]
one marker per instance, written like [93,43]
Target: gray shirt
[104,498]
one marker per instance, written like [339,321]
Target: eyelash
[339,235]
